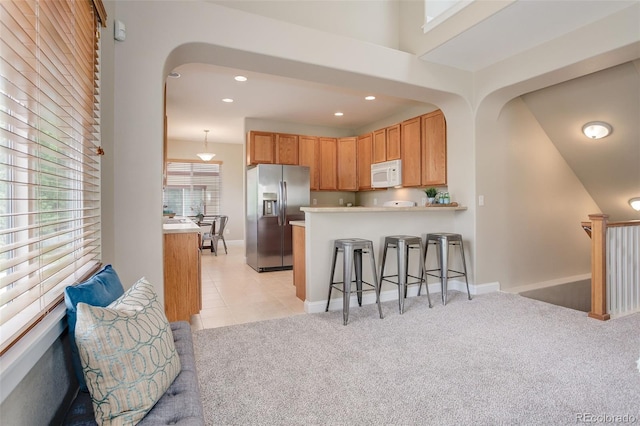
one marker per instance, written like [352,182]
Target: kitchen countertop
[379,209]
[178,225]
[297,223]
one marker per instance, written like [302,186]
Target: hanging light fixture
[635,203]
[206,156]
[596,129]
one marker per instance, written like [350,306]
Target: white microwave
[386,174]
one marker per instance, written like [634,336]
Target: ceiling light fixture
[635,203]
[227,100]
[206,156]
[597,129]
[338,114]
[370,97]
[240,78]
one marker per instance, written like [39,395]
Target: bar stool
[402,244]
[444,240]
[352,249]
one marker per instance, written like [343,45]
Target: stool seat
[402,244]
[443,240]
[352,250]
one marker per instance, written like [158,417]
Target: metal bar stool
[443,240]
[352,249]
[402,244]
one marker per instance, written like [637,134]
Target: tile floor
[233,293]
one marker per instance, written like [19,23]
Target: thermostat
[120,31]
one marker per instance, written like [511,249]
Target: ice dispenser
[269,204]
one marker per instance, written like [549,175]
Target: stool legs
[442,242]
[352,259]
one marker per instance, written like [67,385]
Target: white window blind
[192,188]
[49,166]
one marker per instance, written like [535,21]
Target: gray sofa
[180,405]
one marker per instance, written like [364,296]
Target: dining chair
[216,233]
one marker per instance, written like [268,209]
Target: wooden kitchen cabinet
[286,149]
[393,142]
[386,144]
[347,164]
[261,148]
[299,261]
[434,149]
[182,285]
[410,146]
[328,148]
[308,155]
[364,155]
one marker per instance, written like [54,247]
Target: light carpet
[497,359]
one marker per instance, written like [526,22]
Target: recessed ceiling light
[174,74]
[227,100]
[370,97]
[338,114]
[240,78]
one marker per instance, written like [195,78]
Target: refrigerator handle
[280,202]
[284,203]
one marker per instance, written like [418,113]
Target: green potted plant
[431,195]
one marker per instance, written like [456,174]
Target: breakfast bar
[323,225]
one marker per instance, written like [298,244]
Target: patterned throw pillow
[127,353]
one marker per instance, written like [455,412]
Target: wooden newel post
[599,267]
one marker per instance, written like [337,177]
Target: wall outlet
[375,201]
[423,201]
[341,201]
[227,231]
[315,202]
[481,200]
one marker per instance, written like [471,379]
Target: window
[192,188]
[49,162]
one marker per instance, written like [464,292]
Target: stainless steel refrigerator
[275,194]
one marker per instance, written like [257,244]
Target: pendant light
[206,156]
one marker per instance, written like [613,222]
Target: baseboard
[387,295]
[544,284]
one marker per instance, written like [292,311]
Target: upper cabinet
[261,148]
[308,155]
[272,148]
[344,164]
[328,148]
[347,164]
[286,149]
[410,141]
[364,157]
[434,149]
[386,144]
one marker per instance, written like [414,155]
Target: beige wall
[232,169]
[205,32]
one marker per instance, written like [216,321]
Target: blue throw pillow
[100,290]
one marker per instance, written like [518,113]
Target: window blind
[49,167]
[192,188]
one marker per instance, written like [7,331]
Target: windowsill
[22,357]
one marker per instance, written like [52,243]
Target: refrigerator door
[269,238]
[296,194]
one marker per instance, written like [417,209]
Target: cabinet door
[379,153]
[328,163]
[347,167]
[364,155]
[286,149]
[308,154]
[261,149]
[393,142]
[410,148]
[434,149]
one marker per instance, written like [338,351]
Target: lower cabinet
[182,285]
[299,266]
